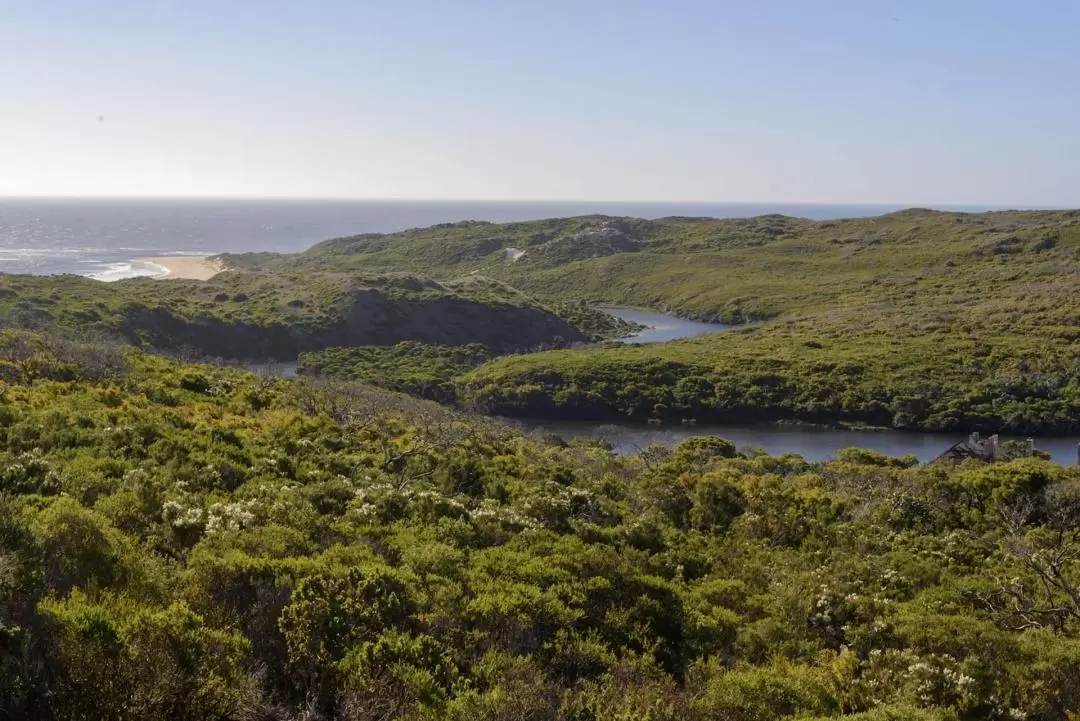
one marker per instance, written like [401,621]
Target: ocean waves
[128,269]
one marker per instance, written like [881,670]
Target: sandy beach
[197,267]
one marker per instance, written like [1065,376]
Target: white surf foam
[133,269]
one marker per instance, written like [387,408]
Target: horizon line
[551,201]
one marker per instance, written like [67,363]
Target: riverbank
[198,267]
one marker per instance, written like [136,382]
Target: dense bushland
[940,381]
[419,369]
[190,542]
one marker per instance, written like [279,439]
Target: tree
[330,613]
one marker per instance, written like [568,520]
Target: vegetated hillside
[429,370]
[422,370]
[848,373]
[734,270]
[189,542]
[917,319]
[278,315]
[976,330]
[594,258]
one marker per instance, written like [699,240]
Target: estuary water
[813,443]
[660,327]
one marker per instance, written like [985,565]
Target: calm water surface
[278,370]
[663,327]
[811,442]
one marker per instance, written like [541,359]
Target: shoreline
[186,267]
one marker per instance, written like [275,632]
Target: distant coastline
[185,267]
[101,238]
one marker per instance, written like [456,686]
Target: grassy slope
[739,269]
[916,319]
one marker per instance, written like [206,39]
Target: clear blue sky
[908,101]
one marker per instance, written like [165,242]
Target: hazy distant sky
[909,101]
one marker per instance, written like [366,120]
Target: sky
[816,101]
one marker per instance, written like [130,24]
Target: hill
[279,315]
[735,270]
[917,319]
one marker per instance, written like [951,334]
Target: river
[814,443]
[661,328]
[279,370]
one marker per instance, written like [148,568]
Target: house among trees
[988,450]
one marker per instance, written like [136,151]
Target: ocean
[104,238]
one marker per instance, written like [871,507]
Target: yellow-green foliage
[1018,383]
[185,541]
[419,369]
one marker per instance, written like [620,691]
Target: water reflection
[662,328]
[811,442]
[278,370]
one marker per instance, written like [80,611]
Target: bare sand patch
[191,267]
